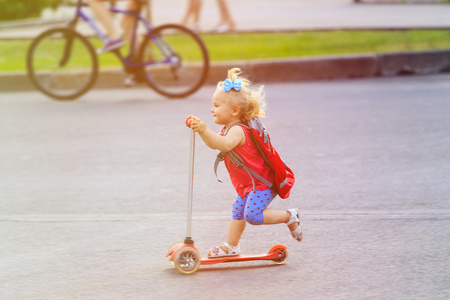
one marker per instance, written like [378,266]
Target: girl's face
[222,111]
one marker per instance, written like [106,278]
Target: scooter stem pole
[188,239]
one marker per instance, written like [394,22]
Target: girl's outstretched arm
[234,137]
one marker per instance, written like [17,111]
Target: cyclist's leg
[105,17]
[128,21]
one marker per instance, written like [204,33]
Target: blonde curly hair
[251,101]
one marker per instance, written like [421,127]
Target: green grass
[261,46]
[229,47]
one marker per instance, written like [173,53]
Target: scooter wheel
[283,256]
[187,260]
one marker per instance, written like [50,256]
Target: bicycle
[172,59]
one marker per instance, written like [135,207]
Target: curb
[31,23]
[430,62]
[289,70]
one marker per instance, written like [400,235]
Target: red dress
[240,179]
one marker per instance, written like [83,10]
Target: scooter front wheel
[187,260]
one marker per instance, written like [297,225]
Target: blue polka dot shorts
[251,207]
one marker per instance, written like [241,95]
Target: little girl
[234,102]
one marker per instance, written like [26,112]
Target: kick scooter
[185,255]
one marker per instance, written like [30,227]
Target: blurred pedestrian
[226,22]
[192,12]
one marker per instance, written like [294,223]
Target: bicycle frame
[165,49]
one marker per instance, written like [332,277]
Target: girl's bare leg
[272,216]
[235,231]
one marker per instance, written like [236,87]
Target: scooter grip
[189,122]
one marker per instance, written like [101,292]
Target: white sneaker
[130,81]
[195,27]
[222,28]
[111,45]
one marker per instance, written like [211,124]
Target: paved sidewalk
[282,15]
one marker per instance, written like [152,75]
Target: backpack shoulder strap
[238,161]
[259,126]
[221,156]
[224,132]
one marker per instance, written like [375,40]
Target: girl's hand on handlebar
[195,124]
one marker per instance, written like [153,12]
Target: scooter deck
[218,260]
[276,252]
[186,257]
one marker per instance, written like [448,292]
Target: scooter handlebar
[189,122]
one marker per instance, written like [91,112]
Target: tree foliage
[22,9]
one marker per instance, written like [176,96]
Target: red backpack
[284,177]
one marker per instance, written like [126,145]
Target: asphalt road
[93,192]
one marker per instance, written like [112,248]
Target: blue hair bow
[228,85]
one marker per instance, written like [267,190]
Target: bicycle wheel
[62,64]
[176,61]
